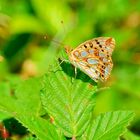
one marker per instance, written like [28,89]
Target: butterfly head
[68,49]
[110,41]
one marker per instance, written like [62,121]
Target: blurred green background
[27,52]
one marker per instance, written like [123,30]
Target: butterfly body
[93,57]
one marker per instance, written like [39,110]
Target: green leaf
[40,127]
[29,138]
[130,136]
[3,116]
[108,126]
[24,105]
[69,100]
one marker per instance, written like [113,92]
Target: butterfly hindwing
[93,57]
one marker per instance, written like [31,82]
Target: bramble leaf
[69,100]
[108,126]
[24,105]
[130,136]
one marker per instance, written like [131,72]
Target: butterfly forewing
[93,57]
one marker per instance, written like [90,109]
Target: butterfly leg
[62,60]
[75,70]
[57,65]
[75,74]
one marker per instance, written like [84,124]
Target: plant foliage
[69,101]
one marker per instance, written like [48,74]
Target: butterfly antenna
[46,37]
[64,29]
[62,23]
[67,48]
[57,42]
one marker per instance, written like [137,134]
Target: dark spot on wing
[96,53]
[85,46]
[97,41]
[102,71]
[100,46]
[91,45]
[101,58]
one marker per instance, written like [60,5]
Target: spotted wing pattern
[93,57]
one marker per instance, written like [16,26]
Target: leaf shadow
[69,69]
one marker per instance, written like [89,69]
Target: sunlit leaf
[108,126]
[24,105]
[68,100]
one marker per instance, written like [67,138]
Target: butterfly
[93,57]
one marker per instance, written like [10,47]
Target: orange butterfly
[93,57]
